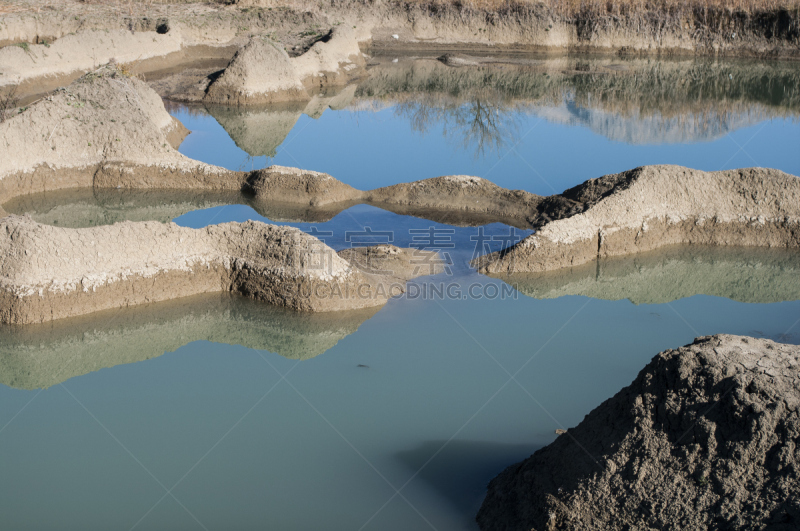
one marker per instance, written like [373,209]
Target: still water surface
[218,413]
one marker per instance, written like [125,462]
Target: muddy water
[215,413]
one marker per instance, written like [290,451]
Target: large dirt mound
[260,72]
[106,129]
[706,437]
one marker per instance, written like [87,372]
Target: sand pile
[260,73]
[104,130]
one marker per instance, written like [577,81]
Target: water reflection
[737,273]
[484,123]
[634,101]
[259,130]
[88,207]
[41,356]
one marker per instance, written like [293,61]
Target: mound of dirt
[705,437]
[106,129]
[458,192]
[260,73]
[50,273]
[303,187]
[652,206]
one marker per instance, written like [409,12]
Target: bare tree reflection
[484,122]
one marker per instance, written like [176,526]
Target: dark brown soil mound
[706,437]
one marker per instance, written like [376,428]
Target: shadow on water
[463,469]
[44,355]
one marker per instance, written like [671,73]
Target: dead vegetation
[582,8]
[8,104]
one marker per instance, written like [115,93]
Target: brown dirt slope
[706,437]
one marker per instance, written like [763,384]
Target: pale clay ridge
[79,53]
[100,127]
[652,206]
[704,438]
[50,272]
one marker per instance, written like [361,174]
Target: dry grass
[572,8]
[8,104]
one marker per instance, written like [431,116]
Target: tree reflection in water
[485,122]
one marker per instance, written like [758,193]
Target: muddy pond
[216,412]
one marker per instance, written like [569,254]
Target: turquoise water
[221,414]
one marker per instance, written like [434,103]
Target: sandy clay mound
[104,130]
[652,206]
[706,437]
[49,273]
[262,72]
[44,355]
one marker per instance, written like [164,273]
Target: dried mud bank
[454,199]
[51,273]
[44,355]
[711,30]
[738,273]
[704,438]
[653,206]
